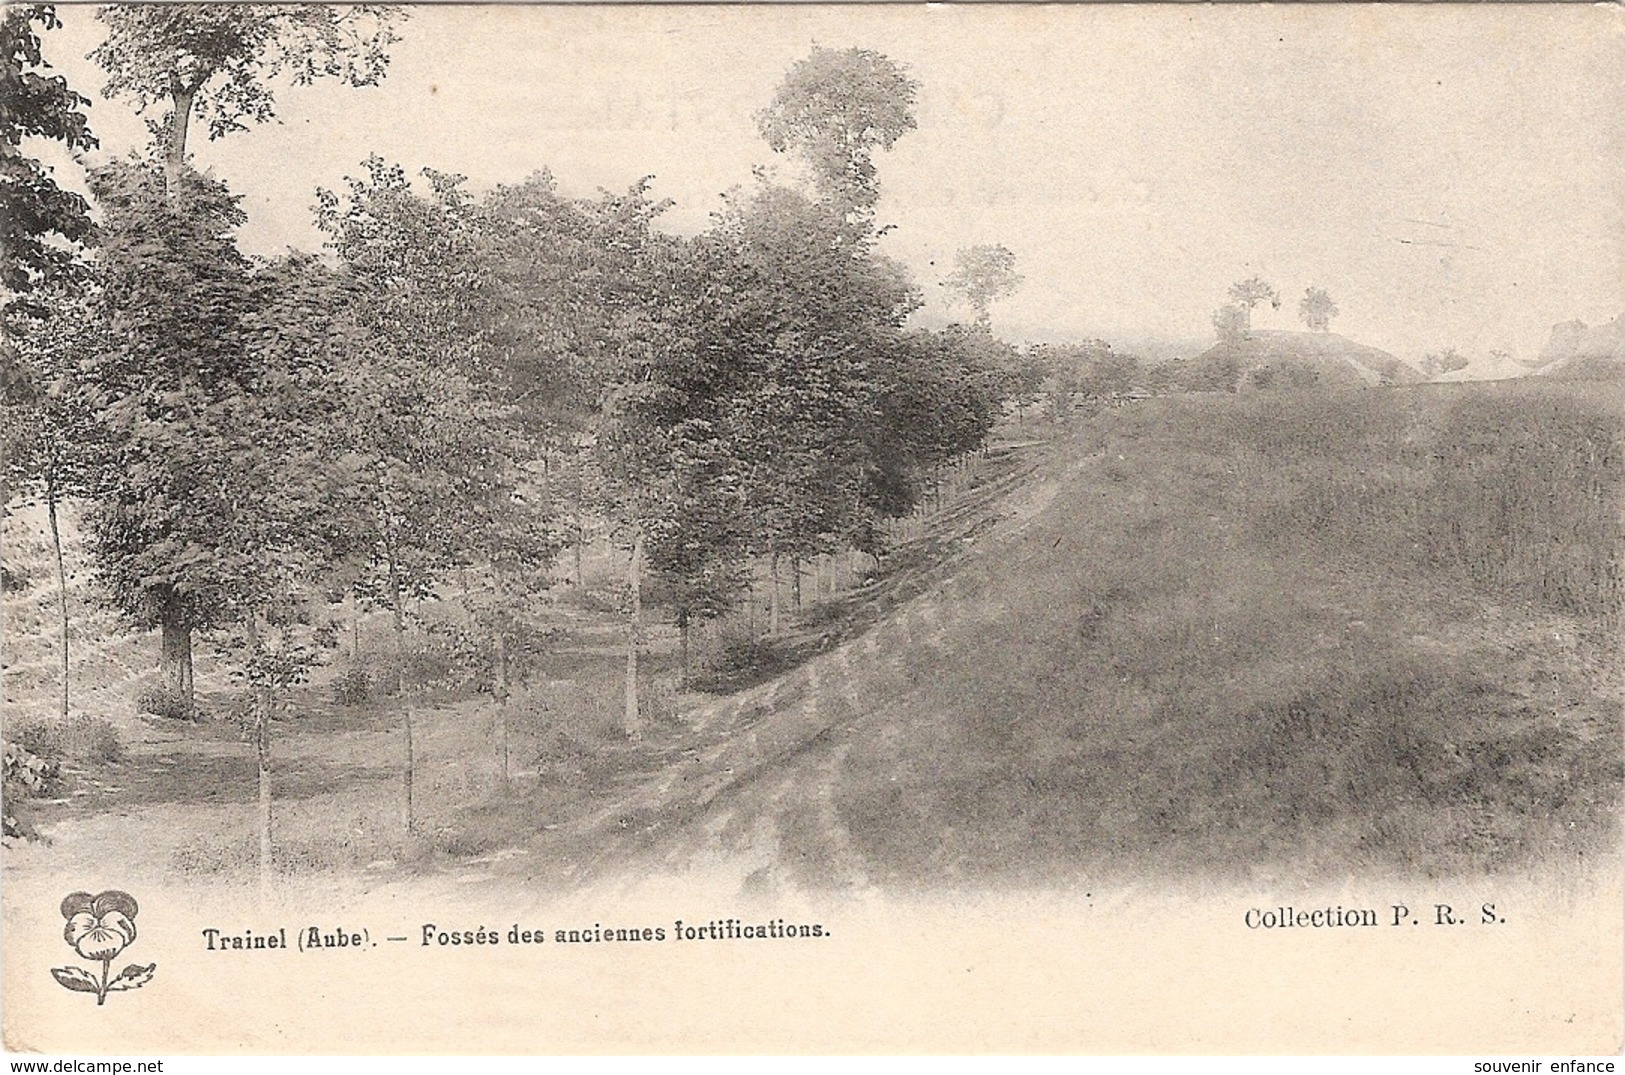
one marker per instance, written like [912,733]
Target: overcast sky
[1452,175]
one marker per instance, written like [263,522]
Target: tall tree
[640,445]
[285,523]
[173,360]
[795,341]
[431,456]
[1317,309]
[835,109]
[218,60]
[982,275]
[42,222]
[47,448]
[42,322]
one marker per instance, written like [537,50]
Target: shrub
[92,739]
[14,577]
[39,737]
[353,686]
[163,702]
[27,774]
[79,738]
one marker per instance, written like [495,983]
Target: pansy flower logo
[99,928]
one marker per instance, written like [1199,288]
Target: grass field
[1206,636]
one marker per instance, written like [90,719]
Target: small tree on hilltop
[1246,294]
[982,275]
[1447,361]
[1230,323]
[1317,309]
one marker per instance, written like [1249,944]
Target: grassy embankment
[1335,633]
[1328,634]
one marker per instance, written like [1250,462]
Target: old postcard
[544,529]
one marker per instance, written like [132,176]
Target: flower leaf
[132,977]
[74,978]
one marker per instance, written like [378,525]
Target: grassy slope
[1206,636]
[1226,657]
[1329,635]
[1272,357]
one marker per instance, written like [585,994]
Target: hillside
[1315,635]
[1213,638]
[1573,347]
[1269,358]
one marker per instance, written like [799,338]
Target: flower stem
[101,994]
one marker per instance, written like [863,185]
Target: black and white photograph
[540,529]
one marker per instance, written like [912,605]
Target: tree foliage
[219,60]
[228,54]
[835,109]
[1235,319]
[1317,309]
[1252,291]
[464,371]
[172,370]
[41,221]
[982,275]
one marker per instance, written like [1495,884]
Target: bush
[14,577]
[353,686]
[79,738]
[163,702]
[27,775]
[93,739]
[39,737]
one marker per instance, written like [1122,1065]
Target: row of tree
[459,380]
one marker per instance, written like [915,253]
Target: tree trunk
[795,585]
[682,650]
[61,588]
[355,630]
[499,690]
[401,695]
[581,535]
[175,661]
[263,705]
[634,629]
[175,152]
[773,592]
